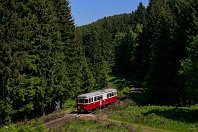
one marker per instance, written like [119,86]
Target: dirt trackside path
[59,121]
[56,123]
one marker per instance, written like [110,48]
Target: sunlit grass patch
[33,126]
[182,119]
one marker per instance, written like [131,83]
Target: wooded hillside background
[45,58]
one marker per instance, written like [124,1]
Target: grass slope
[123,116]
[182,119]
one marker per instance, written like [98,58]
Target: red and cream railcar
[93,100]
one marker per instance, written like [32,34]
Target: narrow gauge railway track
[55,123]
[69,116]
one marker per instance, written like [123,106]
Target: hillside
[45,59]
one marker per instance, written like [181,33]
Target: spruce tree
[31,45]
[73,52]
[93,53]
[163,78]
[105,38]
[189,64]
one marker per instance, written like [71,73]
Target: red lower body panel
[94,105]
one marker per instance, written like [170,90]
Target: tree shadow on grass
[178,114]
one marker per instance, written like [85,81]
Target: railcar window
[86,100]
[92,99]
[101,97]
[112,94]
[81,101]
[98,97]
[89,100]
[95,99]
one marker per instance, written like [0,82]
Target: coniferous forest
[45,58]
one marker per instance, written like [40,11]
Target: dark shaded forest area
[45,58]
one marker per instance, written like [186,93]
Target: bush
[9,128]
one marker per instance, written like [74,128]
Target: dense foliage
[45,59]
[41,59]
[155,46]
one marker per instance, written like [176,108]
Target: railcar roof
[98,92]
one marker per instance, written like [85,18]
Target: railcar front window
[81,101]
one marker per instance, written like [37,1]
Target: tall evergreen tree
[72,49]
[140,14]
[93,53]
[107,47]
[31,35]
[6,59]
[165,56]
[142,54]
[189,65]
[87,78]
